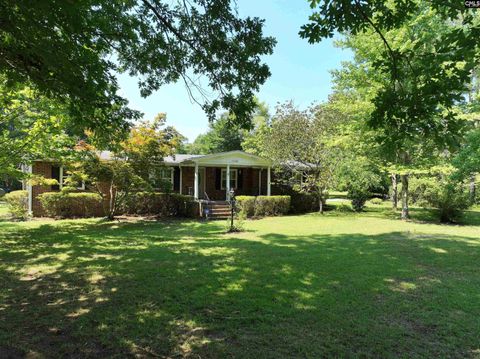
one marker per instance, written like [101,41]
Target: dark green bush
[161,204]
[246,205]
[300,202]
[358,196]
[71,204]
[17,202]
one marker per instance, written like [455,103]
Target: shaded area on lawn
[186,289]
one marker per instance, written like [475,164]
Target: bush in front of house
[71,205]
[300,201]
[303,202]
[246,205]
[17,202]
[271,205]
[160,204]
[261,206]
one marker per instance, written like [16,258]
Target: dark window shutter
[56,175]
[240,178]
[218,178]
[176,179]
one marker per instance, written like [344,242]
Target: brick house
[205,177]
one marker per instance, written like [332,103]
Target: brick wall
[250,184]
[43,169]
[188,178]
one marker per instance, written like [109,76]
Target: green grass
[3,211]
[343,285]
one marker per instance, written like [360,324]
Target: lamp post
[232,207]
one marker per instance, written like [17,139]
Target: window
[164,179]
[64,175]
[233,179]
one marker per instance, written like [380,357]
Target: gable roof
[236,158]
[177,159]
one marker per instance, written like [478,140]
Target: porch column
[269,192]
[30,191]
[227,185]
[181,181]
[195,184]
[260,181]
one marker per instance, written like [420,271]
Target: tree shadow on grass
[186,289]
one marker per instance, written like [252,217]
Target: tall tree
[255,139]
[223,135]
[303,144]
[72,50]
[421,65]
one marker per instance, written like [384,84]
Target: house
[205,177]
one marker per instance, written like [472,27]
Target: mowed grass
[308,286]
[3,210]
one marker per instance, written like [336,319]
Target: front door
[201,183]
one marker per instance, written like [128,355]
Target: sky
[299,71]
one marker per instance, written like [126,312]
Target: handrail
[206,196]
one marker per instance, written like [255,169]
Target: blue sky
[300,71]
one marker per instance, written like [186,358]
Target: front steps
[216,210]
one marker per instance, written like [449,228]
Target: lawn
[339,285]
[3,210]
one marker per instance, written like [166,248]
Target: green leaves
[72,50]
[31,127]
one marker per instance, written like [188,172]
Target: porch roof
[232,158]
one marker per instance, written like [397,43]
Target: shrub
[451,200]
[17,202]
[2,192]
[359,197]
[72,205]
[271,205]
[376,201]
[343,207]
[448,197]
[160,204]
[422,190]
[302,202]
[246,205]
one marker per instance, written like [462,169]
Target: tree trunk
[404,179]
[393,176]
[472,190]
[111,209]
[320,199]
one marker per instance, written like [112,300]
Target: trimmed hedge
[261,206]
[71,204]
[302,202]
[161,204]
[246,205]
[17,202]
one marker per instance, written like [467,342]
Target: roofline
[228,152]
